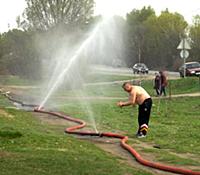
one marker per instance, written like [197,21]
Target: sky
[10,9]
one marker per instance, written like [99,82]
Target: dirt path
[113,147]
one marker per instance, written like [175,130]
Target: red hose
[124,139]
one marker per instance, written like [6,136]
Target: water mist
[103,45]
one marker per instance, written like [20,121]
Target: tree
[19,55]
[162,39]
[195,37]
[153,40]
[45,14]
[136,32]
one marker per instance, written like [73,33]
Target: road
[107,70]
[128,72]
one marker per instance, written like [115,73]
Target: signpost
[184,47]
[184,54]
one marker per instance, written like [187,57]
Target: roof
[192,62]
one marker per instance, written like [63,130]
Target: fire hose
[123,139]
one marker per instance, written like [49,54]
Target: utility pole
[184,57]
[139,54]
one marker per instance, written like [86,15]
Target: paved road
[127,71]
[107,70]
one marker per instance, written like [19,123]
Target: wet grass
[174,125]
[179,86]
[97,77]
[170,158]
[28,146]
[15,80]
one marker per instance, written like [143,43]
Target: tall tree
[195,37]
[153,40]
[45,14]
[162,38]
[136,32]
[19,56]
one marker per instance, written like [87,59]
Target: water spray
[70,63]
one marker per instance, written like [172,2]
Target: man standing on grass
[163,78]
[137,95]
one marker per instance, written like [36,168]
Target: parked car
[140,68]
[191,69]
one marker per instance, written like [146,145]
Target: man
[137,95]
[157,83]
[163,78]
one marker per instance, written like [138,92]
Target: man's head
[127,86]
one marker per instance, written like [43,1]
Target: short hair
[125,83]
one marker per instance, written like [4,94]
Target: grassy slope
[95,78]
[39,149]
[174,125]
[29,147]
[14,80]
[179,86]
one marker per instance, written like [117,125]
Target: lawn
[177,86]
[29,146]
[15,80]
[98,77]
[174,126]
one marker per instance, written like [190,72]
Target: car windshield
[140,65]
[193,65]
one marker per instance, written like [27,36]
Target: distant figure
[163,79]
[157,83]
[137,95]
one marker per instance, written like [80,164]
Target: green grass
[179,86]
[187,85]
[28,146]
[177,123]
[97,77]
[170,158]
[31,147]
[174,124]
[15,80]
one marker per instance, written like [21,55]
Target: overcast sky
[10,9]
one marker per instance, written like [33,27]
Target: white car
[140,68]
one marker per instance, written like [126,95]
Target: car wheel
[181,74]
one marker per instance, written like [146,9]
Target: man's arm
[131,100]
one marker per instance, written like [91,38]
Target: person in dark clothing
[163,80]
[157,83]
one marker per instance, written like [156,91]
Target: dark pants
[157,91]
[163,91]
[144,115]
